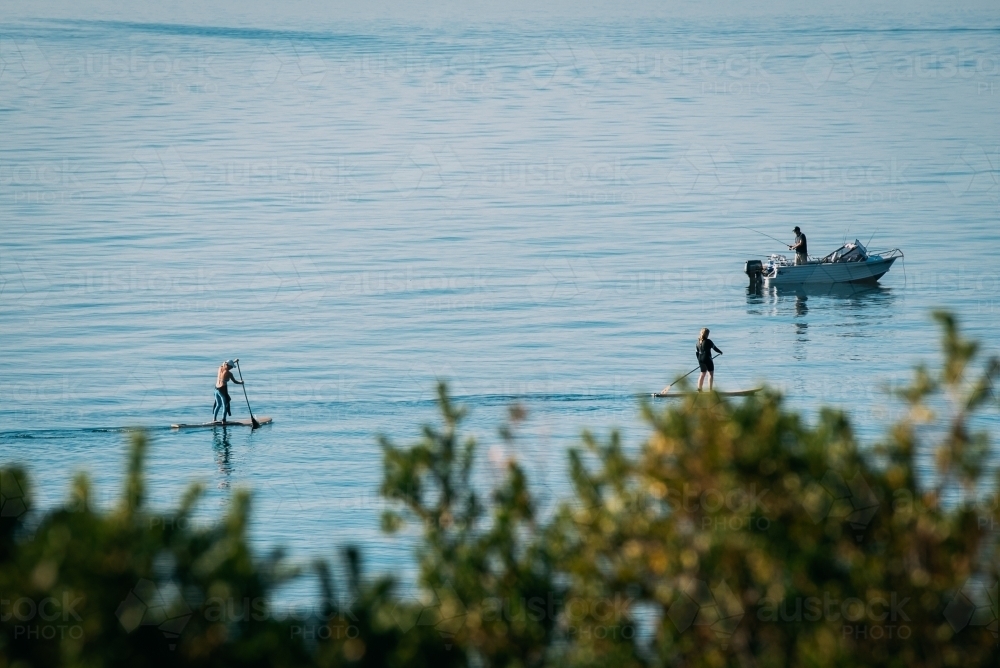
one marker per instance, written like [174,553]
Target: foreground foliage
[737,534]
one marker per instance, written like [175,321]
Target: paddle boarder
[800,248]
[703,351]
[222,390]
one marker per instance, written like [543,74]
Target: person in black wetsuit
[800,248]
[704,353]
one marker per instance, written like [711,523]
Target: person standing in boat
[704,353]
[800,248]
[222,399]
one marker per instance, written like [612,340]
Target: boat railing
[887,254]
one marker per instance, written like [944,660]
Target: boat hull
[827,273]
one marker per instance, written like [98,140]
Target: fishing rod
[766,235]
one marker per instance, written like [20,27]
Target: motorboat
[851,263]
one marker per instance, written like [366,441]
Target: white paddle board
[733,393]
[230,423]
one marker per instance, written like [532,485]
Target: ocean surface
[540,212]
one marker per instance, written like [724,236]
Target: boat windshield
[849,252]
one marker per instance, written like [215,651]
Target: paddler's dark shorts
[707,365]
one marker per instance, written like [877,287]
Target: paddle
[253,420]
[667,388]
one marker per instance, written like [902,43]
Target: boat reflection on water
[850,294]
[844,307]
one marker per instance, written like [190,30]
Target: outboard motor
[754,269]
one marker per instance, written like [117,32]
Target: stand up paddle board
[230,423]
[734,393]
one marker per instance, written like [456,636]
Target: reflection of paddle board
[230,423]
[734,393]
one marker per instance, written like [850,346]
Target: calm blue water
[551,214]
